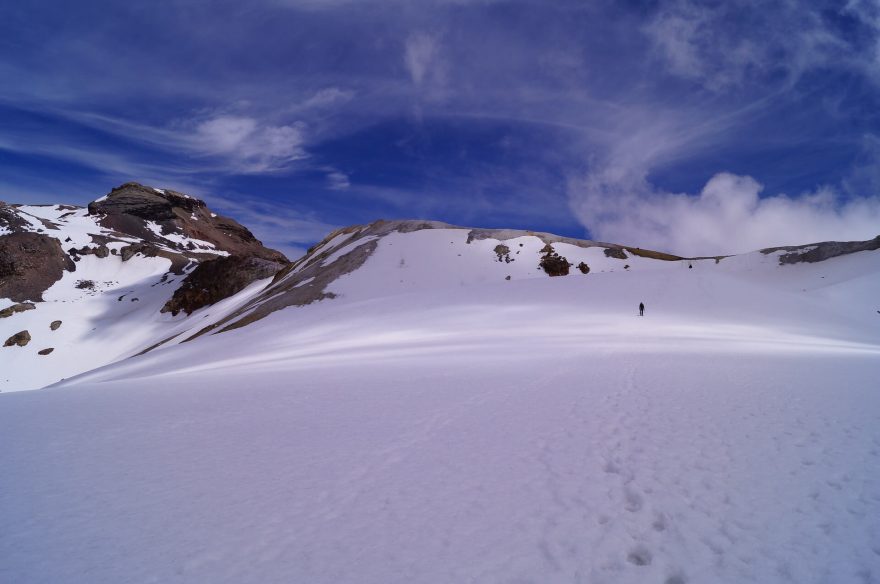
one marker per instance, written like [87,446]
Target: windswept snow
[523,460]
[437,422]
[182,241]
[346,249]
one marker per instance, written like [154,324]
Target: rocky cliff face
[39,243]
[29,264]
[181,222]
[109,271]
[819,252]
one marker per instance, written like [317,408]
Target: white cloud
[329,96]
[700,41]
[420,54]
[338,181]
[249,145]
[727,216]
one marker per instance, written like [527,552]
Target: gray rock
[819,252]
[15,308]
[21,339]
[29,264]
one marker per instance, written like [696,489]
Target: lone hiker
[641,309]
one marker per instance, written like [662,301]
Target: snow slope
[109,308]
[435,422]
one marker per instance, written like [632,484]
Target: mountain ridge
[144,268]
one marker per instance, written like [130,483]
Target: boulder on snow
[20,307]
[45,351]
[100,251]
[29,264]
[503,253]
[584,268]
[553,263]
[55,324]
[21,339]
[615,252]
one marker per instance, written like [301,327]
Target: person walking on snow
[641,309]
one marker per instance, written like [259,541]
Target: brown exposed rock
[584,268]
[148,250]
[21,307]
[21,339]
[503,253]
[10,219]
[55,325]
[45,351]
[101,251]
[552,263]
[615,252]
[305,280]
[129,207]
[29,264]
[818,252]
[214,280]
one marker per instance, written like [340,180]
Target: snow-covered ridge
[388,258]
[419,402]
[104,273]
[143,246]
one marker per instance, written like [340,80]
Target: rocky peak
[176,221]
[146,202]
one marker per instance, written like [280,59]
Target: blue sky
[693,127]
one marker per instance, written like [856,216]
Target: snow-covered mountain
[143,268]
[418,402]
[83,287]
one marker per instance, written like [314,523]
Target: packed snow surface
[431,428]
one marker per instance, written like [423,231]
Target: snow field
[438,423]
[587,466]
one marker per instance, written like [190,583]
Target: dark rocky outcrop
[100,251]
[552,263]
[129,207]
[615,252]
[29,264]
[45,351]
[21,339]
[10,220]
[503,253]
[55,325]
[214,280]
[15,308]
[584,268]
[818,252]
[148,250]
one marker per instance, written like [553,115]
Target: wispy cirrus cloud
[279,225]
[447,106]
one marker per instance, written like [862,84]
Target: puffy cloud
[249,145]
[727,216]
